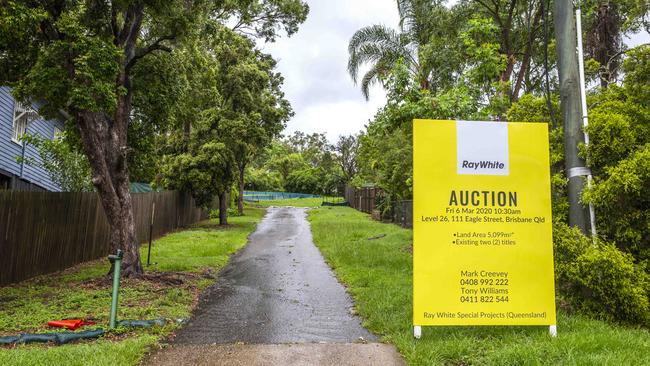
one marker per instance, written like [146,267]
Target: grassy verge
[186,262]
[295,202]
[378,275]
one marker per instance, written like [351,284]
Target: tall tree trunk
[528,52]
[604,40]
[510,66]
[240,198]
[111,179]
[424,83]
[223,208]
[104,140]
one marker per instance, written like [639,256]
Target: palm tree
[382,47]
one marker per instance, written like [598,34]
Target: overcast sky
[314,65]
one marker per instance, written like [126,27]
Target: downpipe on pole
[585,117]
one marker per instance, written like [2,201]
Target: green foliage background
[496,61]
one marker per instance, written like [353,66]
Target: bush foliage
[599,279]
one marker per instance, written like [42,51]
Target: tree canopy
[81,59]
[245,110]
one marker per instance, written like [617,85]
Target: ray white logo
[482,148]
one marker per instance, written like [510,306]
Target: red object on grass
[71,324]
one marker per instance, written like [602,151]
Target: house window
[22,116]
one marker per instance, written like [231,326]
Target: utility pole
[575,167]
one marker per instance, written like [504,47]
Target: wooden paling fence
[44,232]
[367,199]
[363,199]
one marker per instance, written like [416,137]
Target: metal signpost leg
[417,331]
[552,330]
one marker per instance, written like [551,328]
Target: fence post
[153,214]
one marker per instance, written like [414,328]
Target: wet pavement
[304,354]
[278,289]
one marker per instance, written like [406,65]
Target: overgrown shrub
[303,181]
[260,179]
[618,286]
[569,245]
[233,212]
[600,279]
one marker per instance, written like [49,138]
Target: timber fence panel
[362,199]
[367,199]
[44,232]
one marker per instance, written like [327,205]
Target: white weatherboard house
[16,120]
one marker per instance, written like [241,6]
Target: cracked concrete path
[276,303]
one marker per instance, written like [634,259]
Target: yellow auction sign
[482,246]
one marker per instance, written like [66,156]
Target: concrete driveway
[276,303]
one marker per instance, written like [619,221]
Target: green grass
[190,250]
[100,352]
[194,255]
[295,202]
[378,274]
